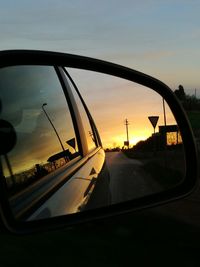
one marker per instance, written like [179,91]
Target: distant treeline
[115,149]
[190,103]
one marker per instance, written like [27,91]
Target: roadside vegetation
[191,104]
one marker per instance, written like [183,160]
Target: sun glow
[113,141]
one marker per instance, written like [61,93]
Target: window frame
[72,166]
[95,132]
[72,108]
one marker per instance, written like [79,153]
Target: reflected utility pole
[164,113]
[127,123]
[165,145]
[45,104]
[165,121]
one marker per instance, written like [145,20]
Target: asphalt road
[128,178]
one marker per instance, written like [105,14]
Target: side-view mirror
[83,139]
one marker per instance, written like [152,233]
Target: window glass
[34,103]
[87,124]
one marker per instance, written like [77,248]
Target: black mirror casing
[26,57]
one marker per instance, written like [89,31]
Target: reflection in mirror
[57,165]
[141,138]
[34,103]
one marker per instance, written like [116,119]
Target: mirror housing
[27,57]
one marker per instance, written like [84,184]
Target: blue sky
[160,38]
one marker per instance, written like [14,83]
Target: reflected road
[128,178]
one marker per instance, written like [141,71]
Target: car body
[68,179]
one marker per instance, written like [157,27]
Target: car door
[55,164]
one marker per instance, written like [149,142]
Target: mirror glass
[57,165]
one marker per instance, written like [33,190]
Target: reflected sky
[23,92]
[111,100]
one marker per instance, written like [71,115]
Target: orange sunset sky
[111,100]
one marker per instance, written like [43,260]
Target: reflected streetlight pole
[45,104]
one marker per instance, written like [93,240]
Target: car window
[88,124]
[39,113]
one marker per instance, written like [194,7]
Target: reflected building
[169,135]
